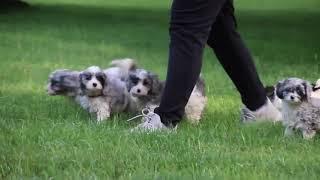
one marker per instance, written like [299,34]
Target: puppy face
[294,90]
[92,81]
[142,83]
[63,82]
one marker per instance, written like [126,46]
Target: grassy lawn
[49,137]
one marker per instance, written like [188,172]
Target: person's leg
[190,25]
[237,60]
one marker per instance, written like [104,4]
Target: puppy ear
[157,85]
[82,77]
[132,76]
[279,89]
[129,80]
[307,90]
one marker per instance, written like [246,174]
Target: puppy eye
[298,90]
[100,77]
[145,83]
[87,77]
[134,80]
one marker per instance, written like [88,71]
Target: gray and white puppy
[297,109]
[64,82]
[100,92]
[145,89]
[277,102]
[114,99]
[85,87]
[104,91]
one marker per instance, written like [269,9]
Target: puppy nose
[138,91]
[94,84]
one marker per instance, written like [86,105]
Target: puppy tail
[126,64]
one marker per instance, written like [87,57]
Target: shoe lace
[145,113]
[247,114]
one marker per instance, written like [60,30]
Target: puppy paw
[308,134]
[102,115]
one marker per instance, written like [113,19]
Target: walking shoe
[151,122]
[267,112]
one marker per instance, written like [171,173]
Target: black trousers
[193,24]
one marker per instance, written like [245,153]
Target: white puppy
[108,87]
[297,110]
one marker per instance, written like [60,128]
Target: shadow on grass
[10,5]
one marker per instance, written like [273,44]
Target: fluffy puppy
[64,82]
[103,92]
[297,110]
[90,84]
[146,89]
[114,99]
[277,102]
[100,92]
[84,87]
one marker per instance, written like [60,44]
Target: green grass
[45,137]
